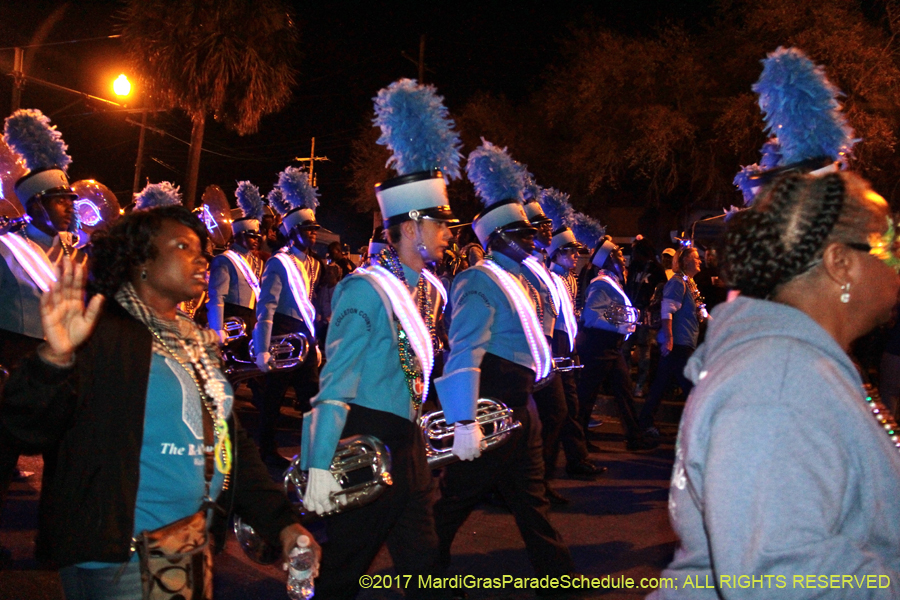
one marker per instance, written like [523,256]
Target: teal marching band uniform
[380,353]
[497,350]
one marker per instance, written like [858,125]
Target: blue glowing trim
[206,217]
[88,212]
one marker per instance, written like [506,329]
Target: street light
[121,86]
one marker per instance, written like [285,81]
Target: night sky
[350,50]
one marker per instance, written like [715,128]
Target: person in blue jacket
[380,353]
[286,306]
[498,350]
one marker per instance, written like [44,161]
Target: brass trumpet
[361,464]
[496,422]
[288,352]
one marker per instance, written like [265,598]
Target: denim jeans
[117,582]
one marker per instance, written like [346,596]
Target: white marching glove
[262,361]
[467,440]
[319,487]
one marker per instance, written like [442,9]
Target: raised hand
[66,321]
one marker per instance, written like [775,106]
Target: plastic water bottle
[300,571]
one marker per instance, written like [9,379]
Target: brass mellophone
[362,465]
[620,314]
[288,352]
[496,422]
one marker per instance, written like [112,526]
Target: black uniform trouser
[670,367]
[402,516]
[304,379]
[571,434]
[516,469]
[13,348]
[603,361]
[550,401]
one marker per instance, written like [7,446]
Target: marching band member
[606,324]
[563,254]
[31,254]
[286,306]
[551,398]
[380,353]
[498,350]
[234,275]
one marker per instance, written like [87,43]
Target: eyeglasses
[883,246]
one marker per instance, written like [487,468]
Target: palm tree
[233,59]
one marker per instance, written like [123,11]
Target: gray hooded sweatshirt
[781,471]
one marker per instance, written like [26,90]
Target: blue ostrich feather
[587,230]
[771,155]
[743,183]
[298,189]
[156,195]
[417,129]
[249,200]
[277,201]
[29,133]
[532,190]
[801,108]
[556,206]
[495,175]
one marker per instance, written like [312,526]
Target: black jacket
[88,421]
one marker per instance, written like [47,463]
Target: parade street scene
[487,301]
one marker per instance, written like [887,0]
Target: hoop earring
[845,293]
[144,275]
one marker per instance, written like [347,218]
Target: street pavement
[616,527]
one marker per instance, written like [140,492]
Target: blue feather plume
[277,201]
[29,133]
[801,108]
[556,206]
[532,189]
[771,155]
[417,129]
[249,200]
[298,190]
[495,175]
[156,195]
[743,182]
[587,230]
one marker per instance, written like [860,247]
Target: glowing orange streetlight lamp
[121,86]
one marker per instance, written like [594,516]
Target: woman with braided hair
[785,464]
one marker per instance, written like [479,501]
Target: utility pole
[420,64]
[18,78]
[139,162]
[422,58]
[311,159]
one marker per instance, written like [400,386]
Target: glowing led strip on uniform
[544,275]
[567,310]
[534,333]
[300,289]
[615,286]
[435,282]
[245,270]
[410,319]
[35,262]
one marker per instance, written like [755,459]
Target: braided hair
[785,233]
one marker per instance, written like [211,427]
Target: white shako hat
[561,214]
[534,210]
[251,206]
[378,242]
[301,198]
[417,129]
[29,134]
[499,182]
